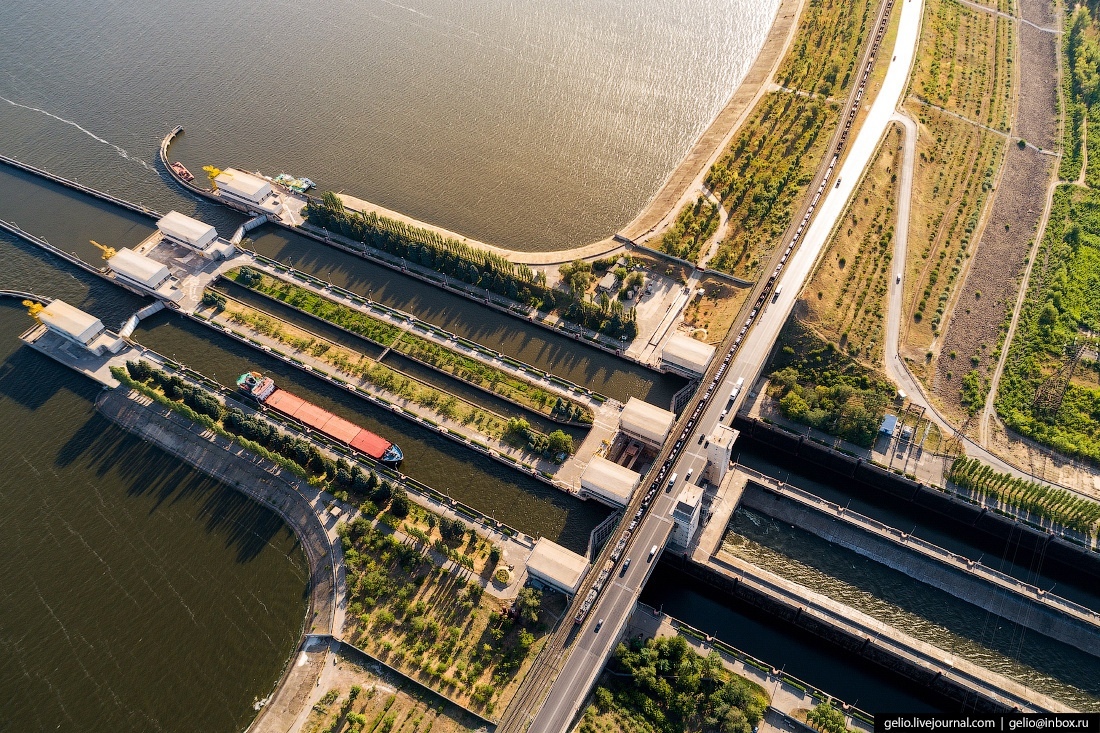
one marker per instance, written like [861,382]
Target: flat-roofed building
[685,515]
[71,322]
[686,356]
[139,269]
[185,230]
[78,327]
[248,190]
[552,565]
[608,482]
[645,422]
[720,452]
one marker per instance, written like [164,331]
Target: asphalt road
[603,625]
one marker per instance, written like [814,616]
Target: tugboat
[181,171]
[263,390]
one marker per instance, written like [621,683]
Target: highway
[603,625]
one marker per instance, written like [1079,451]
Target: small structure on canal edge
[720,452]
[144,273]
[247,190]
[645,422]
[177,228]
[686,356]
[553,566]
[608,482]
[685,515]
[80,328]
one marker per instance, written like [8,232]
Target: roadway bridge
[625,566]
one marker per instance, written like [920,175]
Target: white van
[671,481]
[737,388]
[687,476]
[652,552]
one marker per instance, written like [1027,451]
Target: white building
[685,515]
[686,356]
[79,327]
[189,232]
[252,192]
[720,452]
[552,565]
[645,422]
[608,482]
[139,269]
[145,273]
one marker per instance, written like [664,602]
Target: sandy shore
[683,183]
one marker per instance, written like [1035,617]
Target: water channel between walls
[211,353]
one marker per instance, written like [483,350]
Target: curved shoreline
[682,183]
[265,484]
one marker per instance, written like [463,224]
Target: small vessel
[181,170]
[300,185]
[263,390]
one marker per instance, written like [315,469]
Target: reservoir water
[534,124]
[135,594]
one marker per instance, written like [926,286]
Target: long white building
[608,482]
[252,192]
[78,327]
[686,356]
[645,422]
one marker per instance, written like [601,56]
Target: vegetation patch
[1060,313]
[715,310]
[1081,85]
[964,64]
[505,384]
[468,264]
[693,227]
[955,170]
[846,295]
[435,626]
[1041,501]
[664,686]
[764,175]
[818,385]
[827,47]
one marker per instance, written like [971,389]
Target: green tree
[528,603]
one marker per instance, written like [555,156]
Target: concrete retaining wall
[1034,543]
[1010,599]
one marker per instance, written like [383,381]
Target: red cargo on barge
[263,390]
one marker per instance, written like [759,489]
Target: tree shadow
[148,471]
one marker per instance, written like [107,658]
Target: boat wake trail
[89,133]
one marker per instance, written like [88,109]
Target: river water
[534,124]
[135,594]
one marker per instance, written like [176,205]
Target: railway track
[547,664]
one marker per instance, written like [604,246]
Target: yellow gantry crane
[33,309]
[108,252]
[212,173]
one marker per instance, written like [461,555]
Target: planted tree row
[521,391]
[472,265]
[1049,503]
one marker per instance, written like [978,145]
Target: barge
[263,390]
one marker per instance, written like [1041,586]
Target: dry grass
[847,293]
[384,694]
[964,63]
[955,170]
[716,310]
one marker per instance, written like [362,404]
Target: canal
[69,220]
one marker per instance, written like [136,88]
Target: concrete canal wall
[1065,547]
[953,677]
[990,590]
